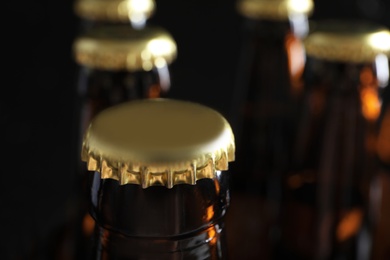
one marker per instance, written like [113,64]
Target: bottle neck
[115,86]
[267,87]
[184,222]
[383,142]
[298,25]
[206,244]
[87,24]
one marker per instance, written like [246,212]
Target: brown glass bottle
[271,56]
[326,211]
[380,185]
[267,87]
[159,189]
[116,64]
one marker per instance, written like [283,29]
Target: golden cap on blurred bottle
[274,9]
[124,48]
[114,10]
[347,41]
[158,142]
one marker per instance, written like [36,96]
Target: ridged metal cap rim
[158,142]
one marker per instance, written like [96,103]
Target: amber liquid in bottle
[262,110]
[326,201]
[185,222]
[380,186]
[263,116]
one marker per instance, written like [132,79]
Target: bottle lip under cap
[159,141]
[280,10]
[342,40]
[114,10]
[121,47]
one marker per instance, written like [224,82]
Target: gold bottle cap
[158,142]
[347,41]
[124,48]
[114,10]
[274,9]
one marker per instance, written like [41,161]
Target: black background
[38,87]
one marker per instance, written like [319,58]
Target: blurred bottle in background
[268,86]
[117,64]
[95,13]
[326,211]
[380,185]
[119,58]
[159,187]
[377,10]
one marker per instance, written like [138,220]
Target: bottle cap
[124,48]
[158,142]
[347,41]
[114,10]
[274,9]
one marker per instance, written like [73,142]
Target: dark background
[38,87]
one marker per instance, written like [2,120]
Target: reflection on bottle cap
[114,10]
[274,9]
[158,142]
[347,41]
[124,48]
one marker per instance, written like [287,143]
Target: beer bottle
[116,63]
[95,13]
[326,211]
[380,185]
[159,189]
[267,88]
[271,47]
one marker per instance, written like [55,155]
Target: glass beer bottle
[326,211]
[159,189]
[380,185]
[268,85]
[116,64]
[271,61]
[95,13]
